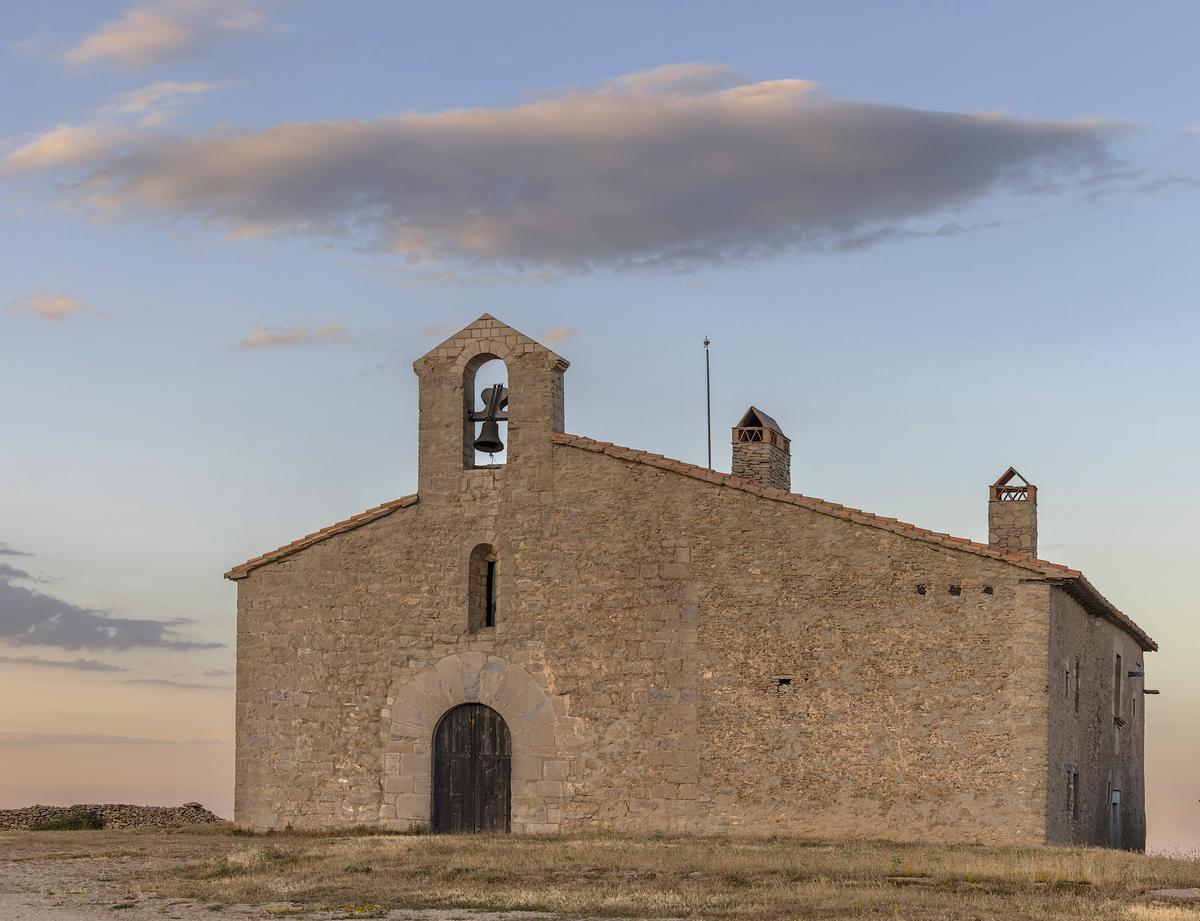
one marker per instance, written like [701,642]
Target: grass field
[624,876]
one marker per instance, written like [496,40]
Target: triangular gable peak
[500,338]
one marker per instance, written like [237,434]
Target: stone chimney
[761,452]
[1012,513]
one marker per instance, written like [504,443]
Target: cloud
[12,572]
[168,30]
[1141,184]
[951,229]
[81,665]
[677,167]
[157,103]
[67,147]
[53,307]
[678,78]
[6,550]
[558,334]
[56,739]
[31,618]
[168,683]
[70,147]
[1189,183]
[219,673]
[261,337]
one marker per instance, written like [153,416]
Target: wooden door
[472,764]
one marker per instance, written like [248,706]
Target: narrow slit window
[1077,684]
[489,615]
[481,589]
[1117,676]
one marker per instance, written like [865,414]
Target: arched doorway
[472,767]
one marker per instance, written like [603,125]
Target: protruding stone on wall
[761,452]
[1012,513]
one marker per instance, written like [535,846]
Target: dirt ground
[190,874]
[85,876]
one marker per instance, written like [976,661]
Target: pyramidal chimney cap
[755,418]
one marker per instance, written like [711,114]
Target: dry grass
[653,877]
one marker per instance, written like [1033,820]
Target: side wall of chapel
[1097,745]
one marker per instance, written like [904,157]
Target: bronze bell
[489,441]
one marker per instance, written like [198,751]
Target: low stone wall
[112,815]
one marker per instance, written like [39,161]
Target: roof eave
[1082,591]
[243,570]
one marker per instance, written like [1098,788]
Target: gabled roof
[340,527]
[755,418]
[1072,580]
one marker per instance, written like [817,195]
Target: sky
[932,240]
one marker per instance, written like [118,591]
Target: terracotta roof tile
[1077,586]
[349,524]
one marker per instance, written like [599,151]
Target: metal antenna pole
[708,399]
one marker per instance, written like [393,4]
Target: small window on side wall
[1117,682]
[481,588]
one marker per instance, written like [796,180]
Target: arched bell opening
[485,412]
[472,772]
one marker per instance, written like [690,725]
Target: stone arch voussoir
[490,347]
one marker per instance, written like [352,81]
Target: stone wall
[903,714]
[1012,524]
[763,463]
[1107,756]
[645,620]
[112,815]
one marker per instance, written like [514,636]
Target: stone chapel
[589,636]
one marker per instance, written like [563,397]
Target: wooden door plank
[472,772]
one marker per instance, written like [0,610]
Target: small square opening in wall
[955,590]
[783,682]
[921,589]
[987,590]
